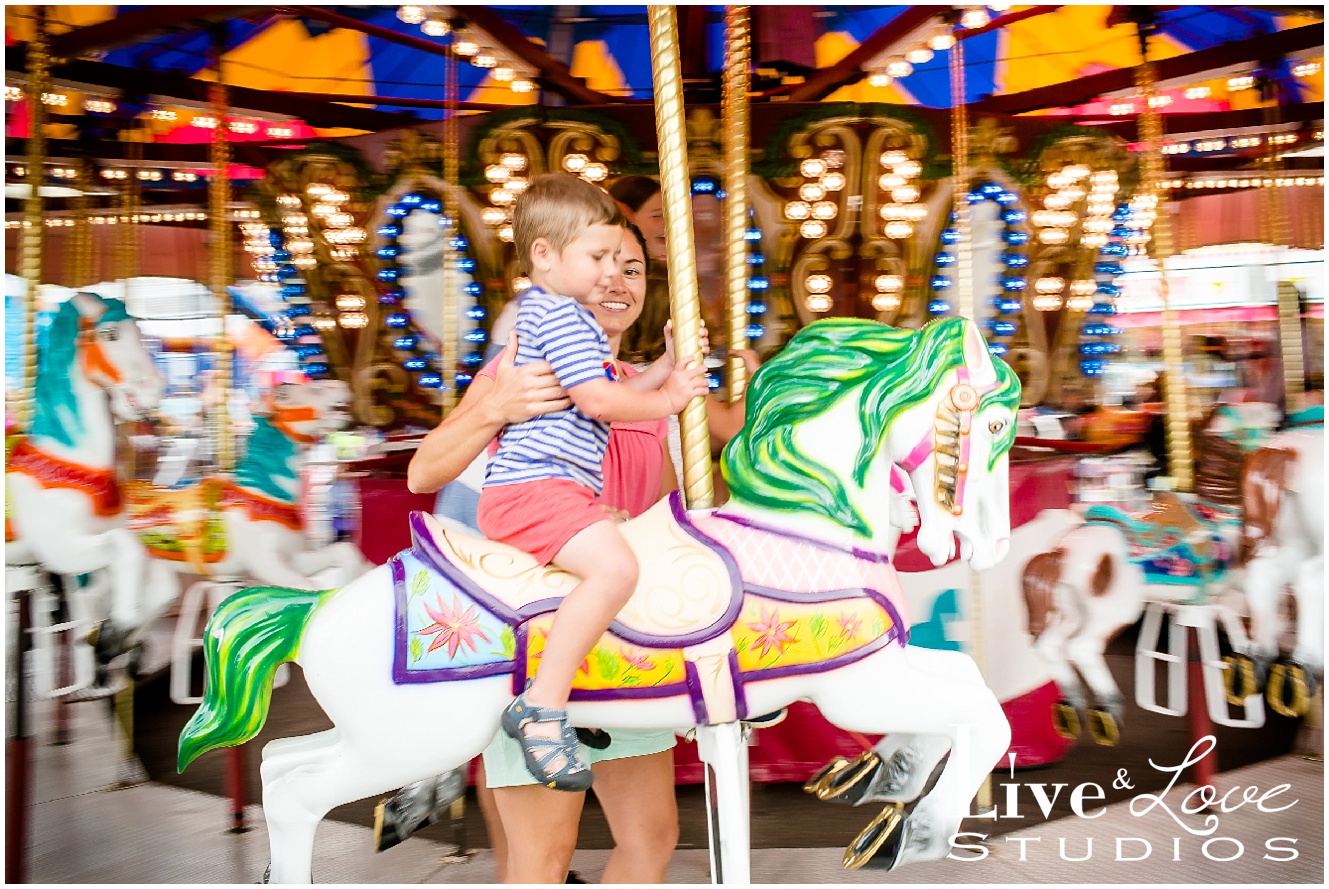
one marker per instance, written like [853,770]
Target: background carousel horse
[248,525]
[1283,543]
[1098,577]
[67,510]
[783,594]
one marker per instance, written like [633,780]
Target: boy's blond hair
[559,207]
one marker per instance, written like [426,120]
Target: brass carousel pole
[684,298]
[219,255]
[1175,394]
[965,308]
[735,113]
[1278,234]
[449,332]
[81,260]
[33,238]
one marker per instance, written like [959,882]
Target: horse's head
[955,447]
[305,412]
[96,339]
[847,399]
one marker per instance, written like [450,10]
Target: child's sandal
[539,751]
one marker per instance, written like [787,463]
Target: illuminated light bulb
[813,167]
[1056,201]
[411,15]
[1054,236]
[813,229]
[523,85]
[899,230]
[1095,241]
[880,78]
[100,106]
[818,302]
[503,75]
[918,56]
[892,158]
[999,7]
[1242,82]
[1198,92]
[812,191]
[1306,69]
[942,39]
[1046,302]
[1050,285]
[974,17]
[485,59]
[892,180]
[892,211]
[13,94]
[818,283]
[1075,172]
[502,196]
[505,234]
[466,47]
[516,185]
[834,158]
[898,68]
[885,302]
[497,173]
[824,210]
[493,216]
[596,172]
[575,163]
[908,168]
[1083,287]
[889,283]
[797,210]
[436,28]
[1080,303]
[514,161]
[833,181]
[520,284]
[1043,218]
[905,195]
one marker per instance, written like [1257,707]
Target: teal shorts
[506,767]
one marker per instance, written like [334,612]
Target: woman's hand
[521,393]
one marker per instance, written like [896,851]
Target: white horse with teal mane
[783,594]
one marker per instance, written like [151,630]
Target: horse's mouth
[946,453]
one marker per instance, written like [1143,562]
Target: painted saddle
[1172,542]
[720,602]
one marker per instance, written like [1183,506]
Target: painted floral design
[850,626]
[453,627]
[772,632]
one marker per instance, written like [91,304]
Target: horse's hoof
[1280,677]
[1103,727]
[879,844]
[851,783]
[1240,679]
[823,774]
[267,873]
[1065,721]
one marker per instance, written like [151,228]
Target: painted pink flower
[771,632]
[454,627]
[637,659]
[850,625]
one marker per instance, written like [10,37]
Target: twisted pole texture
[1175,394]
[219,261]
[450,348]
[684,299]
[735,113]
[33,243]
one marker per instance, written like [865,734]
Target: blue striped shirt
[563,444]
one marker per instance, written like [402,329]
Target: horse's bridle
[948,444]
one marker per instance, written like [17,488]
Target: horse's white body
[1292,556]
[927,702]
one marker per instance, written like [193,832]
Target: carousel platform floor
[85,831]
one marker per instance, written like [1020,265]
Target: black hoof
[878,846]
[1065,721]
[823,774]
[851,783]
[1103,727]
[1240,679]
[267,872]
[1289,691]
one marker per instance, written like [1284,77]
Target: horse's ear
[89,305]
[977,357]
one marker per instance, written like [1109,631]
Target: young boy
[541,486]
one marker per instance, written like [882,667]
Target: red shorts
[539,517]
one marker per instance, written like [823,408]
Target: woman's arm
[668,480]
[515,394]
[726,419]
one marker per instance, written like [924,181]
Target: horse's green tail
[247,638]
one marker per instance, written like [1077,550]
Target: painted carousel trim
[50,471]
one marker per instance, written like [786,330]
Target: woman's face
[623,302]
[650,219]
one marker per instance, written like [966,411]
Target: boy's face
[585,268]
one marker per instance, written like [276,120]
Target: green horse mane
[888,369]
[55,408]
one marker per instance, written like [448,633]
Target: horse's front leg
[331,566]
[1309,592]
[1266,576]
[266,550]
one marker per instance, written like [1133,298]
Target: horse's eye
[996,426]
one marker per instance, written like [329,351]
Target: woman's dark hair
[641,240]
[643,342]
[633,191]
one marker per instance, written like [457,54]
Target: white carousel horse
[67,510]
[1283,540]
[781,595]
[248,525]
